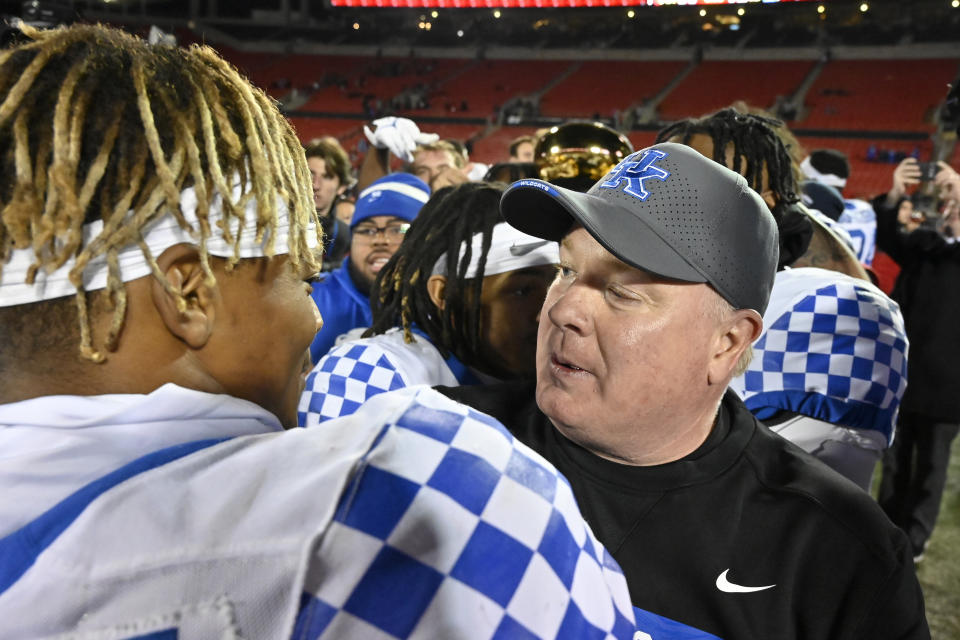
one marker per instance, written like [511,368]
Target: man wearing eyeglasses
[383,214]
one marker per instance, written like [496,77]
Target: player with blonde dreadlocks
[156,211]
[92,159]
[456,304]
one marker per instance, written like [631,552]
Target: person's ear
[186,306]
[436,287]
[736,335]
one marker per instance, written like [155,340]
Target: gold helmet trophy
[577,154]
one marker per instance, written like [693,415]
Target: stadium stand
[879,95]
[279,73]
[450,131]
[344,129]
[381,79]
[790,35]
[874,110]
[597,83]
[641,139]
[718,83]
[848,96]
[489,84]
[494,147]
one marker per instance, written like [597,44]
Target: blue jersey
[860,221]
[342,306]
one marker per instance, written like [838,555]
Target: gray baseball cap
[668,210]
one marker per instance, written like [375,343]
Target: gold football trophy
[577,154]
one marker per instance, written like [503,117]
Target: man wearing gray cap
[724,529]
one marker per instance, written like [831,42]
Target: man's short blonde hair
[442,145]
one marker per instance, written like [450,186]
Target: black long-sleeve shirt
[928,292]
[746,508]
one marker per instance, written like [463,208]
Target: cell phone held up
[928,171]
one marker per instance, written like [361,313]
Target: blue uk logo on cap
[635,170]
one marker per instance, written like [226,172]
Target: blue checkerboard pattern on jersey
[345,379]
[839,355]
[452,529]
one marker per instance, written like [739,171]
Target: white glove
[400,135]
[476,170]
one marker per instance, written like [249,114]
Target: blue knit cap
[399,194]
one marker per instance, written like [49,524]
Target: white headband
[159,235]
[824,178]
[509,250]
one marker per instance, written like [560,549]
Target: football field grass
[939,571]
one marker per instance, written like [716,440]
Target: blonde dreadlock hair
[96,124]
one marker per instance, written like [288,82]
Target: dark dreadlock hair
[451,217]
[794,148]
[96,124]
[756,145]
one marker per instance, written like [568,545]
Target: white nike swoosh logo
[728,587]
[524,249]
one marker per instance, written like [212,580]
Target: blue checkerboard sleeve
[452,529]
[344,379]
[839,355]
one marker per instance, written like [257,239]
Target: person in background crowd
[817,197]
[724,529]
[827,166]
[330,171]
[457,304]
[825,205]
[343,208]
[812,380]
[160,238]
[909,216]
[824,250]
[521,149]
[383,215]
[823,198]
[515,168]
[474,171]
[915,468]
[439,164]
[831,167]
